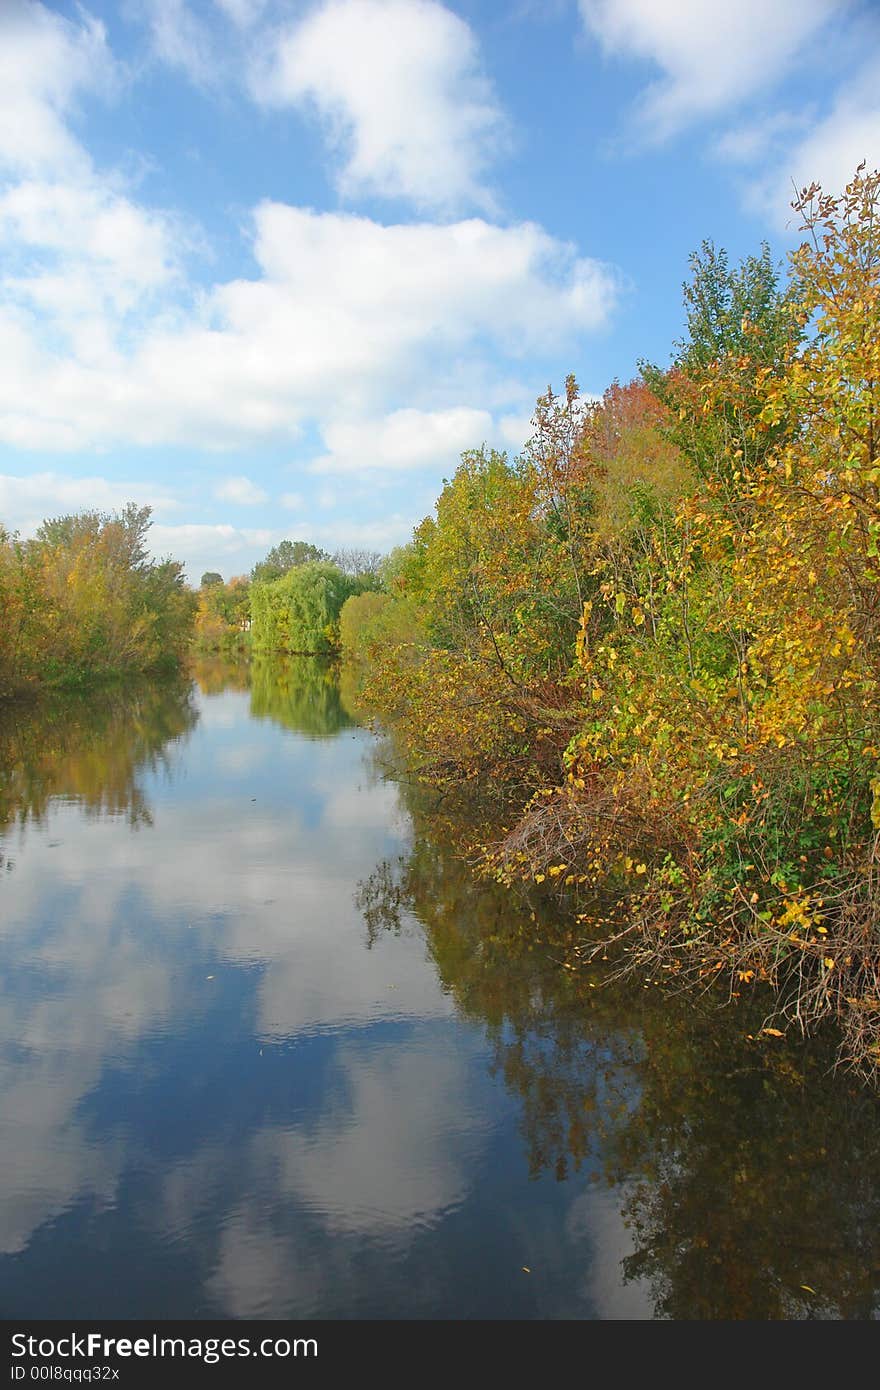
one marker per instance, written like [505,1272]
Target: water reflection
[300,693]
[91,750]
[266,1050]
[749,1171]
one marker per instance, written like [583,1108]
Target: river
[267,1050]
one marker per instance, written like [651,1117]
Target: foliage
[728,775]
[373,620]
[705,545]
[285,556]
[300,611]
[81,601]
[223,618]
[365,565]
[497,580]
[742,323]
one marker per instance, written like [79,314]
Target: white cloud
[202,546]
[180,39]
[754,140]
[338,298]
[79,255]
[830,152]
[404,440]
[712,56]
[25,502]
[242,13]
[241,491]
[82,257]
[45,61]
[516,431]
[400,91]
[293,500]
[103,342]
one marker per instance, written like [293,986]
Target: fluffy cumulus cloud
[401,94]
[201,545]
[404,439]
[389,341]
[82,260]
[46,63]
[711,57]
[337,298]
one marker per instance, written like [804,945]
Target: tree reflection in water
[299,692]
[91,749]
[748,1170]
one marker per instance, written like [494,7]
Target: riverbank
[653,637]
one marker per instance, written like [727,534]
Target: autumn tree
[742,322]
[83,600]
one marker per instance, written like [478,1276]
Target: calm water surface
[266,1050]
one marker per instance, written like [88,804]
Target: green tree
[300,611]
[285,556]
[742,322]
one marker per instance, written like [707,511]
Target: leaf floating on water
[526,1270]
[807,1288]
[209,977]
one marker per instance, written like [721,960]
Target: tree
[359,564]
[285,556]
[84,600]
[742,322]
[300,611]
[210,578]
[223,618]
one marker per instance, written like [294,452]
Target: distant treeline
[291,601]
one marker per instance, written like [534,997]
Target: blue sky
[270,266]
